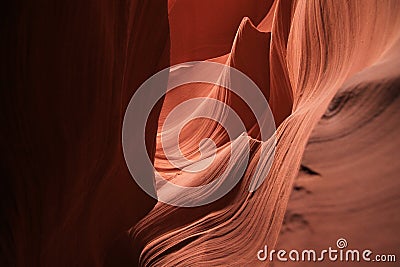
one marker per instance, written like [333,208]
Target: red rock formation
[69,69]
[322,55]
[330,72]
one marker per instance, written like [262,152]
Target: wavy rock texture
[329,70]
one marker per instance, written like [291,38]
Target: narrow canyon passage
[328,171]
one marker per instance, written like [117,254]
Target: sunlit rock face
[328,69]
[331,78]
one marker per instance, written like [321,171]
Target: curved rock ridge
[249,44]
[330,73]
